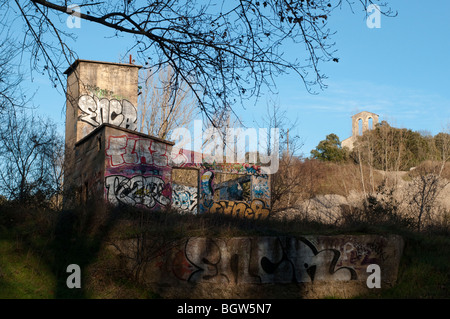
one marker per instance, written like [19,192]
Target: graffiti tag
[264,260]
[184,198]
[123,150]
[97,111]
[137,190]
[254,210]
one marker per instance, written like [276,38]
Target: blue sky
[399,71]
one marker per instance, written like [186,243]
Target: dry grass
[315,178]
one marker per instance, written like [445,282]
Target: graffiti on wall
[232,168]
[187,158]
[129,150]
[235,189]
[138,190]
[180,158]
[266,260]
[260,187]
[97,111]
[184,198]
[233,196]
[206,191]
[254,210]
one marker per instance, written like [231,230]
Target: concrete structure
[360,124]
[237,189]
[107,159]
[315,266]
[97,93]
[105,156]
[123,167]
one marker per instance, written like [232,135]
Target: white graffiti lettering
[184,198]
[97,111]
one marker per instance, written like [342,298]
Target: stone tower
[360,124]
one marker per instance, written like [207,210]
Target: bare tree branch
[225,51]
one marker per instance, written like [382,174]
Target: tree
[330,150]
[389,148]
[30,153]
[162,106]
[286,182]
[276,118]
[224,51]
[442,144]
[11,94]
[423,191]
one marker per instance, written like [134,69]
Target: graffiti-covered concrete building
[106,158]
[105,155]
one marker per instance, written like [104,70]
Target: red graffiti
[124,150]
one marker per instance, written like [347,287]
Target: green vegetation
[387,148]
[330,150]
[22,272]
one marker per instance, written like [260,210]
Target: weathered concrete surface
[122,166]
[309,267]
[97,93]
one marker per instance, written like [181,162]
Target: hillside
[335,192]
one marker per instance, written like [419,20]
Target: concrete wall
[236,264]
[88,169]
[105,157]
[237,189]
[137,169]
[122,166]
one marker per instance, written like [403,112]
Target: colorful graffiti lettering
[255,210]
[137,191]
[184,198]
[236,189]
[124,150]
[97,111]
[179,159]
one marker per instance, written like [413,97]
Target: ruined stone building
[361,122]
[107,159]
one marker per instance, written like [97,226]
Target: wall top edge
[104,125]
[78,61]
